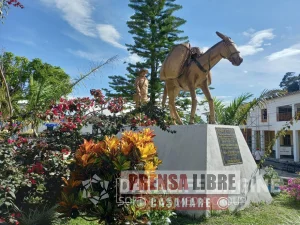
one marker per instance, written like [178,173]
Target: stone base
[196,148]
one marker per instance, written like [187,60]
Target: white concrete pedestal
[196,148]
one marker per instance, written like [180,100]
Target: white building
[263,123]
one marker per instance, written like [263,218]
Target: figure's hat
[143,71]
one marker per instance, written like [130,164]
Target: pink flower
[65,151]
[37,168]
[32,181]
[10,141]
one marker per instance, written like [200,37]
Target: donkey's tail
[164,99]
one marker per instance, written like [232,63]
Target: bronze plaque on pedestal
[229,146]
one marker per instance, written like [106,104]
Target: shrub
[30,176]
[293,188]
[43,161]
[73,114]
[43,216]
[12,179]
[272,180]
[98,165]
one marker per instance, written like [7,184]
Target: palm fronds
[236,113]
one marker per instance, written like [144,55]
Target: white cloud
[86,55]
[197,44]
[249,50]
[204,49]
[223,97]
[248,32]
[20,40]
[267,44]
[257,39]
[133,58]
[287,52]
[288,27]
[78,14]
[108,33]
[262,73]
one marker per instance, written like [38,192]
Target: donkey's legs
[194,102]
[207,94]
[173,91]
[172,116]
[168,84]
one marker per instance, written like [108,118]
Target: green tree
[155,30]
[290,82]
[13,81]
[35,82]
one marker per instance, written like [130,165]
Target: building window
[264,115]
[284,113]
[298,112]
[287,140]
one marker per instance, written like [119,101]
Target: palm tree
[40,94]
[237,112]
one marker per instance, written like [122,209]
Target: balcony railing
[284,116]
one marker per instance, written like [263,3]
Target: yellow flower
[148,132]
[149,166]
[100,147]
[147,150]
[87,159]
[112,142]
[87,146]
[156,161]
[126,147]
[130,136]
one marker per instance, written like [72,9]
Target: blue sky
[77,34]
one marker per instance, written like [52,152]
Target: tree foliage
[4,7]
[237,112]
[34,82]
[155,30]
[290,82]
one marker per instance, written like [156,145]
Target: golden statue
[180,71]
[141,86]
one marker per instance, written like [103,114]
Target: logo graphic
[88,186]
[223,202]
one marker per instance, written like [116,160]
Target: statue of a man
[141,86]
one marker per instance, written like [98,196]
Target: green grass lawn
[283,210]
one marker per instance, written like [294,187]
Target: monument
[208,150]
[141,86]
[180,71]
[213,149]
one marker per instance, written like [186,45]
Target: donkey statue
[197,75]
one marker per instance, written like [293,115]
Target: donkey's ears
[224,37]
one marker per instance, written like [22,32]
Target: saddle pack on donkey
[177,59]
